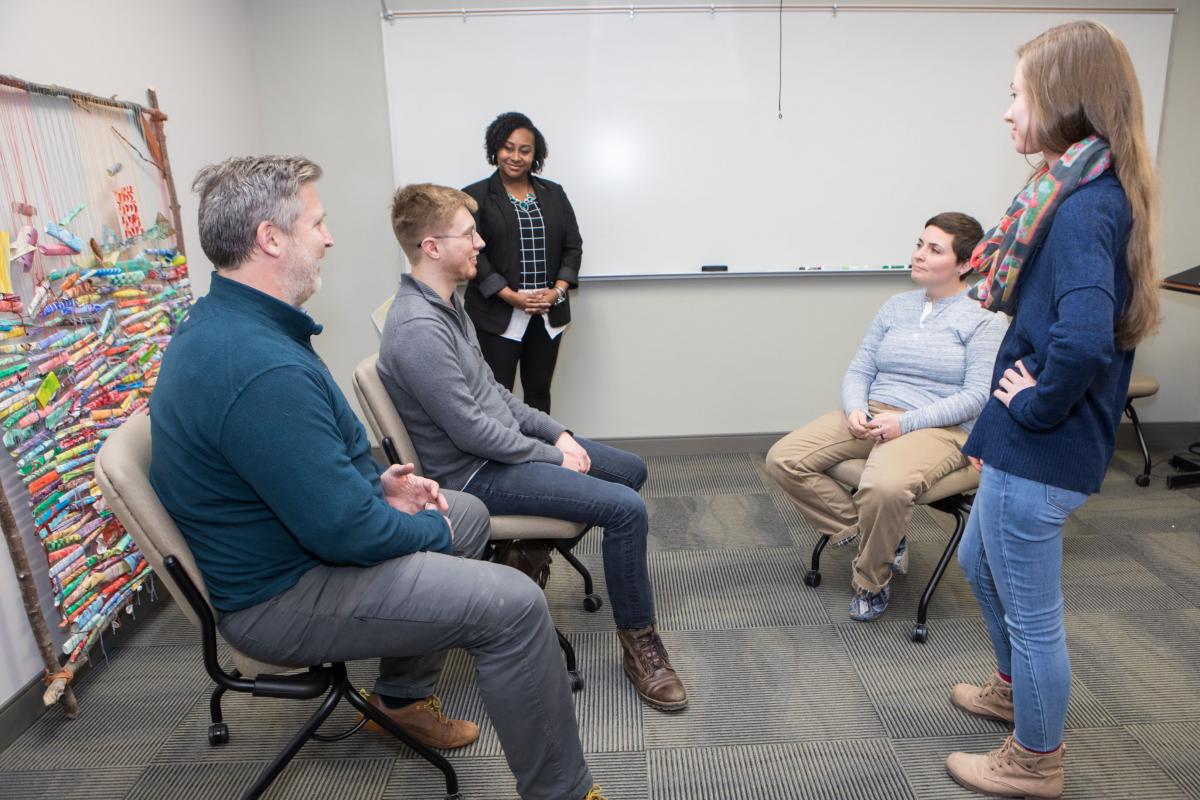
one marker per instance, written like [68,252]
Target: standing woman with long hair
[1074,263]
[518,298]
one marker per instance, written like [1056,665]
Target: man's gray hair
[239,193]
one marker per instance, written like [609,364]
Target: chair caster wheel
[812,578]
[218,733]
[592,603]
[576,680]
[919,633]
[1142,480]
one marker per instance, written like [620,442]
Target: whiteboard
[663,128]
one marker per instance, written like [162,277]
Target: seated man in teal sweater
[310,554]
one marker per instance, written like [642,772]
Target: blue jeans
[1011,553]
[606,497]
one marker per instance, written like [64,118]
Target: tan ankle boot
[1011,771]
[594,793]
[649,667]
[425,722]
[992,700]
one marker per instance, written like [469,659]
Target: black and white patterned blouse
[533,242]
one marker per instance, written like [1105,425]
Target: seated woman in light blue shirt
[918,381]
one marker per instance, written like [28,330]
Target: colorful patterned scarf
[1004,249]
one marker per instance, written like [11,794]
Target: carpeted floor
[789,698]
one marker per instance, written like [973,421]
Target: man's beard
[301,280]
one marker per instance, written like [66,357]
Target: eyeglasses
[468,235]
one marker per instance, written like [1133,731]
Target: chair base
[340,689]
[1189,472]
[957,506]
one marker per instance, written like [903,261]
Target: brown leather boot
[1011,771]
[649,667]
[992,700]
[594,793]
[424,721]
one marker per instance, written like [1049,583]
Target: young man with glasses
[472,435]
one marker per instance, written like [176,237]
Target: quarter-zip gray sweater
[457,415]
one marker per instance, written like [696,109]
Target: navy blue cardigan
[1071,293]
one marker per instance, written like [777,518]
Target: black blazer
[499,262]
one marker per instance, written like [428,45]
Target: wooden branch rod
[59,91]
[712,8]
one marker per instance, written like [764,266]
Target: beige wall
[198,56]
[651,358]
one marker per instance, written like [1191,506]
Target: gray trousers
[408,611]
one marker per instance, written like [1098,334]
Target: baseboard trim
[696,445]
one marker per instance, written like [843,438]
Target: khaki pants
[897,472]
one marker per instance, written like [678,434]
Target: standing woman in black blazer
[518,299]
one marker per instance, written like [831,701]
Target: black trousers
[536,354]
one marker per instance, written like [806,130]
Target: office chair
[123,471]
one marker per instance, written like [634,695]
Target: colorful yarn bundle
[76,362]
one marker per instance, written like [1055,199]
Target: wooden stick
[60,91]
[33,610]
[157,126]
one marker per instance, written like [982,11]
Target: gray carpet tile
[715,589]
[716,521]
[1140,665]
[1135,521]
[102,783]
[910,684]
[1173,557]
[855,769]
[622,775]
[259,727]
[684,476]
[120,725]
[1173,747]
[770,685]
[803,533]
[608,708]
[1100,763]
[1098,575]
[347,779]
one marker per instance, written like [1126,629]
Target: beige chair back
[123,472]
[380,411]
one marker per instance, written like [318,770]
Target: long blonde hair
[1081,82]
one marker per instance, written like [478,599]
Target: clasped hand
[883,427]
[533,302]
[574,456]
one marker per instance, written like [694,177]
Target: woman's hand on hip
[1014,381]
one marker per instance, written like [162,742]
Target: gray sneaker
[900,560]
[866,606]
